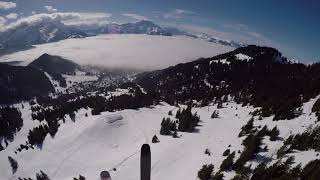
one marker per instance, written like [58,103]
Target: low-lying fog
[141,52]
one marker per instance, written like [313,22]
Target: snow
[113,140]
[223,61]
[304,157]
[71,80]
[55,84]
[78,78]
[141,52]
[290,127]
[114,118]
[243,57]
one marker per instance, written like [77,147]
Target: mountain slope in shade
[40,33]
[22,83]
[55,64]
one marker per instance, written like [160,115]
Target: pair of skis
[145,165]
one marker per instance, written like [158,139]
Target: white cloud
[2,21]
[238,27]
[255,34]
[89,19]
[33,13]
[178,14]
[38,18]
[244,29]
[12,16]
[75,19]
[7,5]
[135,16]
[182,11]
[50,9]
[244,35]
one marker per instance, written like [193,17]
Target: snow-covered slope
[113,140]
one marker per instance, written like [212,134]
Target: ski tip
[145,148]
[104,175]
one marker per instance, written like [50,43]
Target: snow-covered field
[142,52]
[113,140]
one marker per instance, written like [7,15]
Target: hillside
[254,75]
[22,83]
[54,64]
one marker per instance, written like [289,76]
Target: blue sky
[292,26]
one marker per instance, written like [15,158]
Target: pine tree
[205,172]
[246,129]
[187,120]
[178,114]
[219,106]
[218,176]
[263,132]
[215,114]
[226,152]
[155,139]
[72,116]
[175,134]
[167,126]
[14,164]
[42,176]
[274,133]
[226,164]
[207,152]
[289,161]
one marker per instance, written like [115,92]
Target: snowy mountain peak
[140,27]
[38,33]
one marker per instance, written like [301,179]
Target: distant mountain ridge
[40,33]
[150,28]
[46,32]
[141,27]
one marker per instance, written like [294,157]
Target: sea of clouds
[140,52]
